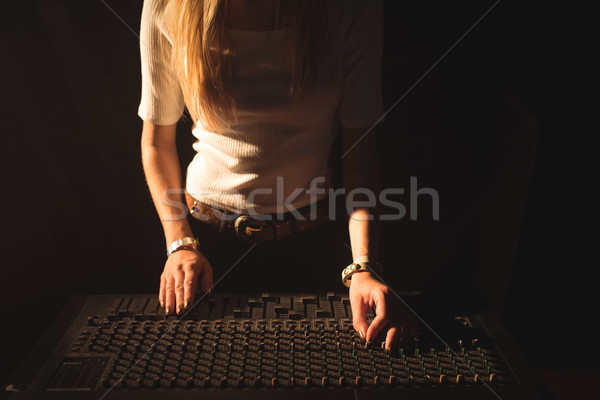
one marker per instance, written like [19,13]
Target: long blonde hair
[201,60]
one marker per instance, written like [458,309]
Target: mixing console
[251,345]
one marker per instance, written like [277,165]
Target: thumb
[359,316]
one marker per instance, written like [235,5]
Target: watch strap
[180,243]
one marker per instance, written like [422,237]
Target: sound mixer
[309,300]
[281,310]
[294,316]
[238,313]
[266,297]
[332,296]
[155,382]
[358,381]
[255,303]
[206,382]
[237,351]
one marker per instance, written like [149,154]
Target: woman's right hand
[178,281]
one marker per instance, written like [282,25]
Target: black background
[501,127]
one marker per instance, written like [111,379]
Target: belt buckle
[243,229]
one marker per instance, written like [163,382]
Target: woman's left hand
[365,292]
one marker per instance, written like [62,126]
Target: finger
[162,292]
[189,287]
[206,279]
[392,337]
[179,276]
[381,316]
[170,295]
[359,316]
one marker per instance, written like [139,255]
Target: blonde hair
[201,58]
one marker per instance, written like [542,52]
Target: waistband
[260,227]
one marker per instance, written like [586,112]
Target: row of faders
[272,341]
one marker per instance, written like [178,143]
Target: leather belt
[258,229]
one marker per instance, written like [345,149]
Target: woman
[268,85]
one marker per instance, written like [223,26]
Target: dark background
[502,129]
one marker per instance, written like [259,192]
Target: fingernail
[168,311]
[361,334]
[187,304]
[178,310]
[162,304]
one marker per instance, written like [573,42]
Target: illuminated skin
[186,268]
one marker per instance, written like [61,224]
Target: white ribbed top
[279,145]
